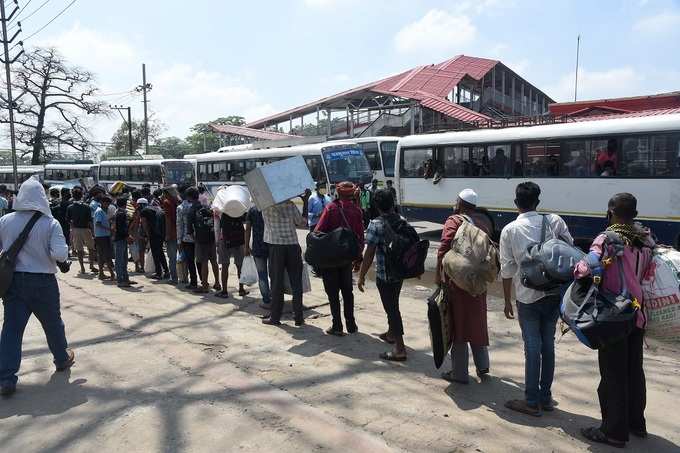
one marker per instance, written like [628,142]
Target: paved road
[165,370]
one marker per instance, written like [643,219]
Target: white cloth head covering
[468,196]
[142,201]
[32,197]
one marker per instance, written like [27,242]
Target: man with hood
[34,288]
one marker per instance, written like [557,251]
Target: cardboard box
[279,181]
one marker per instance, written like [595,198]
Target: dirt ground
[159,369]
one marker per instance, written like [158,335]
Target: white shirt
[517,237]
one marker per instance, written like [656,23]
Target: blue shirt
[3,206]
[315,207]
[101,219]
[94,205]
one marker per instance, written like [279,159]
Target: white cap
[142,201]
[468,196]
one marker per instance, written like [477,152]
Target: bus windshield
[347,164]
[178,172]
[388,151]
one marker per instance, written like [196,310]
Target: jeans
[389,295]
[171,248]
[538,322]
[36,294]
[285,257]
[156,245]
[189,249]
[121,255]
[261,263]
[338,280]
[622,390]
[460,359]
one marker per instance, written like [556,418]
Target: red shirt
[331,218]
[169,206]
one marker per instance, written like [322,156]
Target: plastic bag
[661,290]
[134,251]
[149,264]
[248,272]
[306,282]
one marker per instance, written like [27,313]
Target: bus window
[454,159]
[388,150]
[236,170]
[478,164]
[155,173]
[415,162]
[251,164]
[315,168]
[371,153]
[635,157]
[499,160]
[666,155]
[517,160]
[542,159]
[575,158]
[606,157]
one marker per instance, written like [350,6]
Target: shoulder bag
[8,257]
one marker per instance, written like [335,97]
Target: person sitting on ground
[622,390]
[537,311]
[467,313]
[34,288]
[389,286]
[231,245]
[102,238]
[342,213]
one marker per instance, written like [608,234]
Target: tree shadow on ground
[493,391]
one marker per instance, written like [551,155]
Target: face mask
[322,191]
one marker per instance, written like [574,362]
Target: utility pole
[129,124]
[578,45]
[144,87]
[10,101]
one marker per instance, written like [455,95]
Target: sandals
[523,407]
[335,332]
[392,357]
[385,337]
[596,435]
[449,377]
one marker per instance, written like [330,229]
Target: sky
[207,59]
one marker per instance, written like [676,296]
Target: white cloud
[182,94]
[321,3]
[659,24]
[437,32]
[616,82]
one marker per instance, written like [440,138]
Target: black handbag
[441,334]
[8,257]
[337,248]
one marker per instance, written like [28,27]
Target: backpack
[472,263]
[550,263]
[405,252]
[204,225]
[337,248]
[8,257]
[597,317]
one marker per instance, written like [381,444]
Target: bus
[23,172]
[578,165]
[328,162]
[155,172]
[380,152]
[57,173]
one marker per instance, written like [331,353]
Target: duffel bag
[334,249]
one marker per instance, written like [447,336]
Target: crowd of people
[185,239]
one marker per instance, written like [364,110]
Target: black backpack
[405,252]
[337,248]
[205,224]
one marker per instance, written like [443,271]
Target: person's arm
[448,233]
[247,234]
[58,247]
[507,295]
[179,224]
[509,268]
[297,217]
[190,221]
[369,254]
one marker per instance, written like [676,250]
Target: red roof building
[460,91]
[616,106]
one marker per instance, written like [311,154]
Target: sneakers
[69,361]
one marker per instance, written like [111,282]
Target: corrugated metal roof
[433,81]
[635,103]
[453,110]
[638,114]
[249,132]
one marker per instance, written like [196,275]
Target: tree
[171,147]
[203,138]
[120,137]
[52,101]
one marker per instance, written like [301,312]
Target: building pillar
[329,126]
[503,101]
[522,99]
[413,119]
[493,85]
[290,124]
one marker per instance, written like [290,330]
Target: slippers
[596,435]
[523,407]
[384,337]
[391,357]
[448,376]
[222,295]
[337,333]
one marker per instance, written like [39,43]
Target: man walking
[260,252]
[467,313]
[622,391]
[285,254]
[80,219]
[102,237]
[231,245]
[34,289]
[537,311]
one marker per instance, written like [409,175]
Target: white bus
[380,152]
[23,172]
[325,161]
[156,172]
[57,173]
[578,165]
